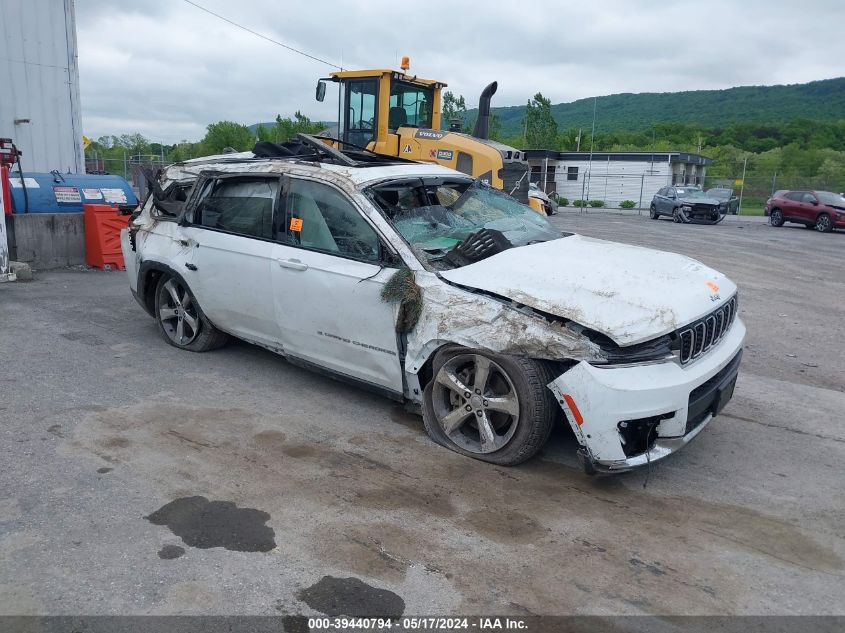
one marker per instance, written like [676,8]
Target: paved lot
[135,478]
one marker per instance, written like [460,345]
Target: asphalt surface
[139,479]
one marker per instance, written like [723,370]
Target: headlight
[686,207]
[648,352]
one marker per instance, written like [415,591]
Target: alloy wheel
[823,223]
[475,403]
[177,313]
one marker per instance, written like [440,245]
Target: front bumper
[674,403]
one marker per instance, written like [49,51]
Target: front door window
[361,102]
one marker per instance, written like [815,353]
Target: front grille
[698,337]
[703,209]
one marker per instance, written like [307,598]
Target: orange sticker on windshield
[713,286]
[296,224]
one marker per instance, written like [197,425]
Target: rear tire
[488,406]
[776,217]
[180,319]
[823,223]
[652,213]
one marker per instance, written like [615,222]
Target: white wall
[612,181]
[39,81]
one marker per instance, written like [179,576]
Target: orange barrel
[103,224]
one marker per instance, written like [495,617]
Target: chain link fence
[605,189]
[754,190]
[614,190]
[130,168]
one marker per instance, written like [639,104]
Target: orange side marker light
[579,419]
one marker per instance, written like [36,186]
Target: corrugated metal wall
[39,81]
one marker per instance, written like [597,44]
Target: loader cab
[374,104]
[394,113]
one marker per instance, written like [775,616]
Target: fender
[144,295]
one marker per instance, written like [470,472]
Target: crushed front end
[627,415]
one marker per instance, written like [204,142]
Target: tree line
[218,138]
[800,150]
[792,151]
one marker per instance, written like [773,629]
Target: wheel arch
[424,371]
[149,272]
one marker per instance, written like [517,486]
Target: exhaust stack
[482,124]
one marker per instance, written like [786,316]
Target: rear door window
[243,206]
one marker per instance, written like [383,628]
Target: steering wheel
[365,126]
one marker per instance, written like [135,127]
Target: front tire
[180,319]
[652,213]
[776,217]
[823,223]
[491,407]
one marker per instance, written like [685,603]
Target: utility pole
[578,141]
[525,130]
[742,186]
[642,185]
[545,174]
[651,169]
[592,142]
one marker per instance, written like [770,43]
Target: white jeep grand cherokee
[418,282]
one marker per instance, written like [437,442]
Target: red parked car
[821,210]
[767,210]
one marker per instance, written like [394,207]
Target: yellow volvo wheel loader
[397,114]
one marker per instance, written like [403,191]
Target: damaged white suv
[418,282]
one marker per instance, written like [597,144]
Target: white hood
[629,293]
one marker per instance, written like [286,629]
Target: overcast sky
[166,69]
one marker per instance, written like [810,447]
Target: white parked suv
[432,288]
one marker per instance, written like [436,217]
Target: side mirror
[321,90]
[814,202]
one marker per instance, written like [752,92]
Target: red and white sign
[69,195]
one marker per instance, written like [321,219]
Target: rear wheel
[487,406]
[652,212]
[776,217]
[823,223]
[181,320]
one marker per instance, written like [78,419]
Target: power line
[263,37]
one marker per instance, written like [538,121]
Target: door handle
[293,264]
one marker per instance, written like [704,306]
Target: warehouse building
[40,107]
[614,176]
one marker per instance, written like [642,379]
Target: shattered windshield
[691,193]
[441,218]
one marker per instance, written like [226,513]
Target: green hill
[761,105]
